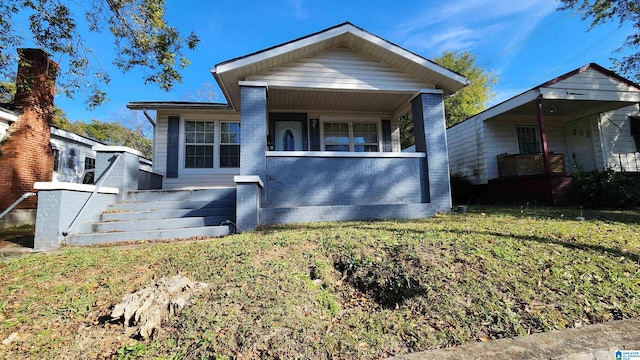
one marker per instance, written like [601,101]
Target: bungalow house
[309,133]
[527,147]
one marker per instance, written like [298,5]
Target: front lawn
[336,290]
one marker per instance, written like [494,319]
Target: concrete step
[163,224]
[172,205]
[228,213]
[102,238]
[226,193]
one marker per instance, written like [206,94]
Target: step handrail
[22,198]
[97,187]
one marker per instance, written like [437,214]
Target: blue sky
[525,42]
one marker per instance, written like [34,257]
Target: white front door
[288,136]
[580,143]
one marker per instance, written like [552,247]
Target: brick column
[124,174]
[431,138]
[248,195]
[253,160]
[253,120]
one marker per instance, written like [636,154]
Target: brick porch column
[253,161]
[431,138]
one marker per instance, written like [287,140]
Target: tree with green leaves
[603,11]
[142,37]
[474,97]
[109,133]
[465,103]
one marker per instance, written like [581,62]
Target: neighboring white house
[72,155]
[585,118]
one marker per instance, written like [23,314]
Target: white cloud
[300,12]
[472,24]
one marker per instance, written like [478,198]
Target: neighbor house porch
[527,148]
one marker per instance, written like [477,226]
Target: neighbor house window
[229,145]
[72,159]
[56,159]
[528,139]
[211,144]
[89,163]
[351,136]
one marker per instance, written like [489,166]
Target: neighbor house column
[431,138]
[253,145]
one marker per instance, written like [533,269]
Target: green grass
[346,290]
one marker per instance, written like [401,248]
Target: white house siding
[618,146]
[340,68]
[73,150]
[592,80]
[3,128]
[203,179]
[501,137]
[466,145]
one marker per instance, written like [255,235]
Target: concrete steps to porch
[162,215]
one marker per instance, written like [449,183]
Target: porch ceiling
[564,109]
[308,100]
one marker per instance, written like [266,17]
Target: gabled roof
[229,73]
[566,88]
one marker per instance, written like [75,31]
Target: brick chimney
[25,151]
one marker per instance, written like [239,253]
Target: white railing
[626,162]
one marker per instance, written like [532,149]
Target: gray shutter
[314,130]
[173,138]
[386,136]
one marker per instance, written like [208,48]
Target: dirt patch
[16,237]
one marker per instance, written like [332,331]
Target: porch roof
[588,90]
[229,73]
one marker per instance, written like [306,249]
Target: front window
[351,136]
[211,144]
[336,136]
[528,139]
[229,145]
[199,141]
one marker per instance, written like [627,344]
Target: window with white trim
[89,163]
[229,145]
[211,144]
[528,139]
[354,136]
[199,144]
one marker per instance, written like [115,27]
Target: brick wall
[431,137]
[25,152]
[323,181]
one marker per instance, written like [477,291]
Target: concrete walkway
[592,342]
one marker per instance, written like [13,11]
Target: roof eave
[158,105]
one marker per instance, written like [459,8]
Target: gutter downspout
[543,138]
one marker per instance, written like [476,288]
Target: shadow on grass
[570,245]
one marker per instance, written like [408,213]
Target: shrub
[461,189]
[607,189]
